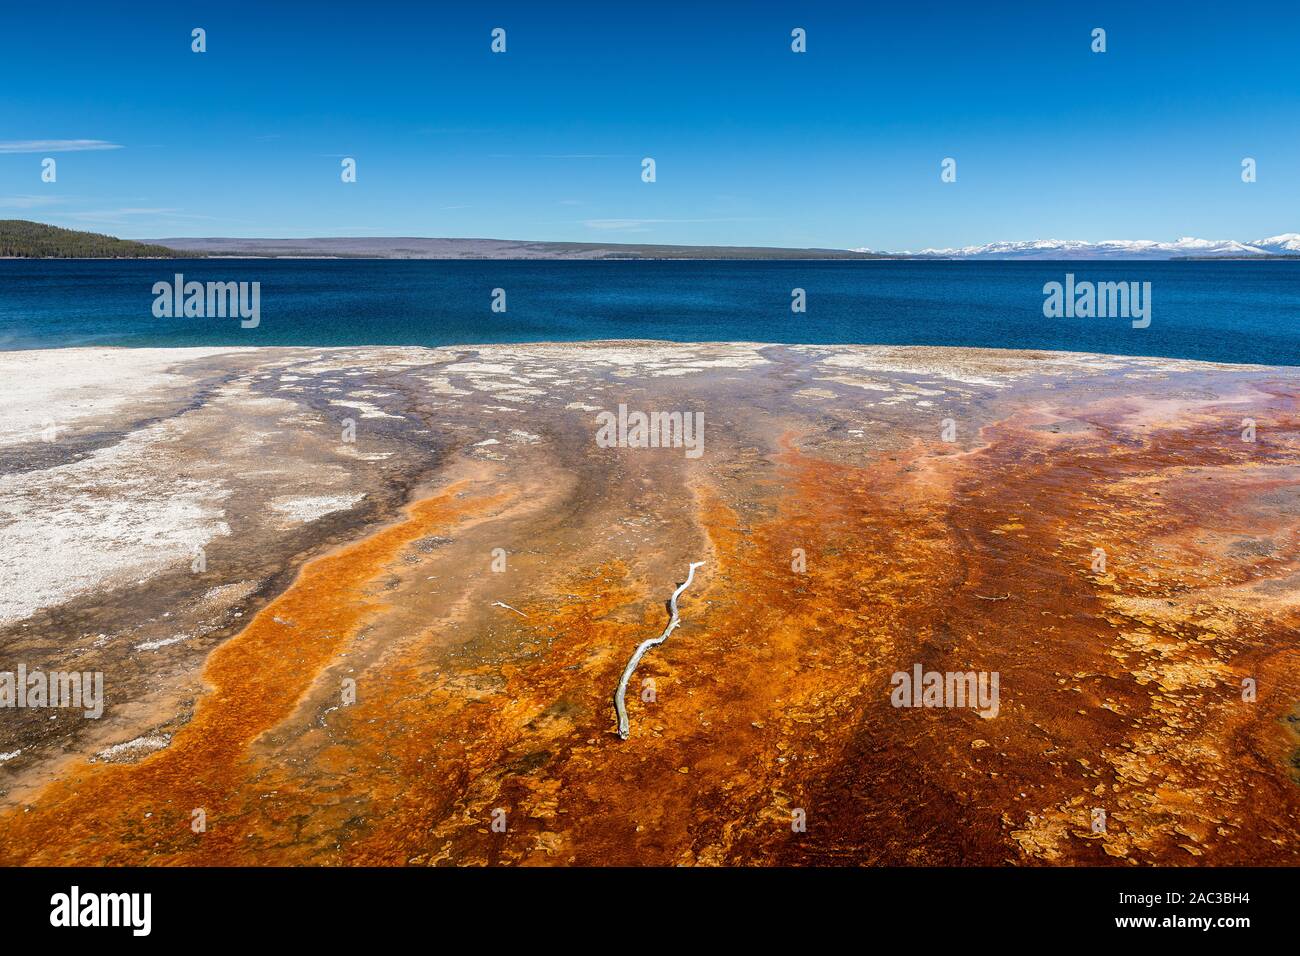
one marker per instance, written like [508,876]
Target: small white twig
[619,706]
[508,608]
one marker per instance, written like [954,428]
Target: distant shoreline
[875,258]
[26,239]
[359,258]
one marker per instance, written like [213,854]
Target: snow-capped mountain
[1285,244]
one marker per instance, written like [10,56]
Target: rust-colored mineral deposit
[409,659]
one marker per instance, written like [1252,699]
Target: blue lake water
[1217,311]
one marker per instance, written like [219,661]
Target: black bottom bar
[660,907]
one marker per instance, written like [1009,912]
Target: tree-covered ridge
[23,239]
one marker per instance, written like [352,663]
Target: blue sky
[754,144]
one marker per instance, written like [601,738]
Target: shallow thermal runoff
[370,606]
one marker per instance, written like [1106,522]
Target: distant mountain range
[1287,244]
[25,239]
[20,238]
[424,248]
[419,247]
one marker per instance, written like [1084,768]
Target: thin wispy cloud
[118,217]
[448,129]
[560,156]
[55,145]
[29,202]
[127,211]
[638,224]
[318,232]
[133,216]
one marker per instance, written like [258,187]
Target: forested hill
[20,238]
